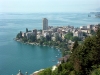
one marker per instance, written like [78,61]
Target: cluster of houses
[61,31]
[54,32]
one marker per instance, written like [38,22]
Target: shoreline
[36,72]
[35,43]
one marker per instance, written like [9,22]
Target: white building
[90,26]
[83,27]
[23,34]
[46,34]
[78,34]
[45,24]
[39,36]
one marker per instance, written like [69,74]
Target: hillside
[84,59]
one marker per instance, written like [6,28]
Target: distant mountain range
[98,9]
[96,13]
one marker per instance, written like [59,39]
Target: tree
[24,39]
[46,72]
[75,45]
[32,38]
[59,68]
[86,55]
[63,61]
[75,38]
[68,36]
[19,35]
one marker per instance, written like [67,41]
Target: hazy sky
[32,6]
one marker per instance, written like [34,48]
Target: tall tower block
[45,24]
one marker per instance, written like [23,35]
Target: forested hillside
[84,59]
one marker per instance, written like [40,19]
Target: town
[62,33]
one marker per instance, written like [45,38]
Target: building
[78,34]
[39,36]
[83,27]
[45,24]
[90,26]
[29,34]
[19,73]
[56,34]
[35,32]
[23,34]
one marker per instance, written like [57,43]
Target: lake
[16,56]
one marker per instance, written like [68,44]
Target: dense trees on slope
[87,55]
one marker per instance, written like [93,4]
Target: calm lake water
[15,55]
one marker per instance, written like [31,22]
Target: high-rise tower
[45,24]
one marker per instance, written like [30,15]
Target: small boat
[58,50]
[52,47]
[53,60]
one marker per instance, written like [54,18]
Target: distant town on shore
[61,33]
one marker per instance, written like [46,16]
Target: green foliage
[69,66]
[84,59]
[75,45]
[59,68]
[58,38]
[69,36]
[46,72]
[72,73]
[75,38]
[63,61]
[86,55]
[19,35]
[55,72]
[64,72]
[24,39]
[32,38]
[96,72]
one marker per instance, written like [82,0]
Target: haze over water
[15,55]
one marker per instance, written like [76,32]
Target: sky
[31,6]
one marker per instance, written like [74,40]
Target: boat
[53,60]
[56,56]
